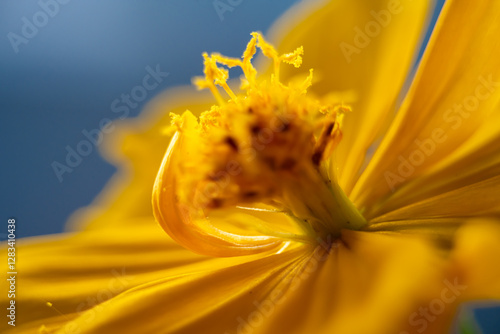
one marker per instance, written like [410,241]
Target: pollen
[270,144]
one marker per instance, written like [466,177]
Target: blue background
[65,78]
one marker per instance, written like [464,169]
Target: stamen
[213,74]
[248,70]
[294,58]
[307,82]
[270,146]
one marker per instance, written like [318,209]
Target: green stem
[321,203]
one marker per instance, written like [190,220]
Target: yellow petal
[476,160]
[78,272]
[297,291]
[476,254]
[478,199]
[365,278]
[75,272]
[360,46]
[441,231]
[473,275]
[205,302]
[454,92]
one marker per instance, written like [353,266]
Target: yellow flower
[297,226]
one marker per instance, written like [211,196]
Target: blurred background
[65,66]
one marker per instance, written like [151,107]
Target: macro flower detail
[271,147]
[339,202]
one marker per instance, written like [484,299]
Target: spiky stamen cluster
[270,145]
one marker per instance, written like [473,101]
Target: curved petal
[455,91]
[365,47]
[196,234]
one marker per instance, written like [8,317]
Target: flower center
[271,146]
